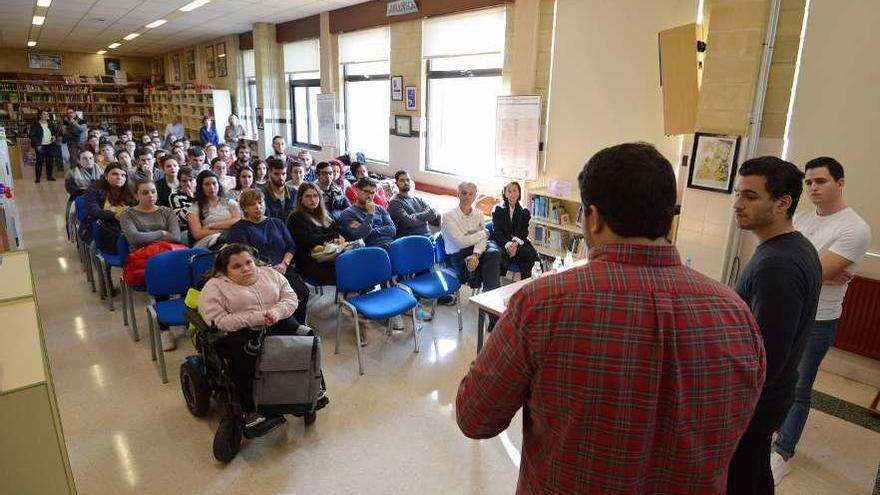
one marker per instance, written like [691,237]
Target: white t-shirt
[217,213]
[843,233]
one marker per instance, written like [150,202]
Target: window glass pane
[366,107]
[468,62]
[368,69]
[251,123]
[303,76]
[461,125]
[313,114]
[300,114]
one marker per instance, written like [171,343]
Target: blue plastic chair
[163,278]
[82,247]
[361,270]
[412,260]
[105,261]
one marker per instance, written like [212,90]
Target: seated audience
[637,374]
[280,198]
[261,172]
[212,213]
[182,199]
[195,158]
[467,242]
[219,167]
[359,170]
[242,158]
[106,199]
[156,142]
[334,199]
[225,152]
[279,146]
[83,174]
[339,174]
[127,161]
[270,237]
[130,147]
[208,133]
[244,179]
[146,222]
[311,226]
[240,298]
[308,165]
[211,152]
[410,214]
[295,175]
[145,166]
[168,184]
[107,154]
[365,219]
[511,224]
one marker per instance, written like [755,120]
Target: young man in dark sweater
[781,285]
[410,214]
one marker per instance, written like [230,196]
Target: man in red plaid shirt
[635,374]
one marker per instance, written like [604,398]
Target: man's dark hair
[399,173]
[143,151]
[186,171]
[834,167]
[633,187]
[215,160]
[241,147]
[166,158]
[364,182]
[783,178]
[321,166]
[195,151]
[354,167]
[274,164]
[276,137]
[121,151]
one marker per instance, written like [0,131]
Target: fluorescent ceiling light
[101,52]
[39,20]
[44,3]
[131,36]
[114,45]
[156,24]
[32,43]
[193,5]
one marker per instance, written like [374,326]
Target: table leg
[481,322]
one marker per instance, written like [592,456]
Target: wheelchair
[205,376]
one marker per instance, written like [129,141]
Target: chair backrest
[164,272]
[99,240]
[440,255]
[362,268]
[122,246]
[411,254]
[490,226]
[80,207]
[199,265]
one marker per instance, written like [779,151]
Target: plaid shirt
[636,375]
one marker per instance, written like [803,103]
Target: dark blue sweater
[270,237]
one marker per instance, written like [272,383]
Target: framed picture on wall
[411,98]
[44,61]
[209,61]
[221,59]
[713,162]
[111,65]
[175,66]
[402,125]
[397,88]
[190,65]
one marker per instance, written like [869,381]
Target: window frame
[303,83]
[346,78]
[446,74]
[251,109]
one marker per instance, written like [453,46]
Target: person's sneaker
[252,419]
[50,179]
[37,180]
[169,343]
[397,322]
[446,300]
[423,314]
[780,467]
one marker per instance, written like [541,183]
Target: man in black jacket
[75,130]
[42,134]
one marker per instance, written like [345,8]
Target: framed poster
[713,162]
[44,61]
[411,98]
[209,61]
[396,88]
[175,66]
[403,125]
[190,65]
[111,65]
[221,59]
[259,115]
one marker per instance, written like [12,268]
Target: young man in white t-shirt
[841,237]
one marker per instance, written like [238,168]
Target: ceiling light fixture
[193,5]
[101,52]
[32,44]
[114,45]
[131,36]
[44,3]
[156,24]
[39,20]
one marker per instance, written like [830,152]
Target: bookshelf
[190,104]
[555,228]
[100,98]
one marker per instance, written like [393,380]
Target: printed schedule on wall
[517,136]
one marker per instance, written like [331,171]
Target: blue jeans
[821,337]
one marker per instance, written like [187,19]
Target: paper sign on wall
[327,119]
[517,136]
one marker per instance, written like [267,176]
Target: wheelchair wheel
[310,418]
[227,440]
[195,388]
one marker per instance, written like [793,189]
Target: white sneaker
[780,467]
[169,343]
[397,322]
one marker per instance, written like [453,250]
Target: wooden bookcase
[555,228]
[191,105]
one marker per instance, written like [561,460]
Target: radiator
[859,327]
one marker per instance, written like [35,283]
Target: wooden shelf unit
[23,95]
[550,233]
[191,105]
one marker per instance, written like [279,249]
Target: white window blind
[302,56]
[249,67]
[367,45]
[468,33]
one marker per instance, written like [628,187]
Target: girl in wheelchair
[242,297]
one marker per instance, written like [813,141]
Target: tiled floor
[390,431]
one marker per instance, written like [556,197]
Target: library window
[251,118]
[304,91]
[367,99]
[461,100]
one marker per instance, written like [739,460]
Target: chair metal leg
[109,279]
[458,307]
[152,330]
[123,287]
[357,333]
[416,328]
[96,264]
[338,317]
[88,266]
[157,343]
[134,323]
